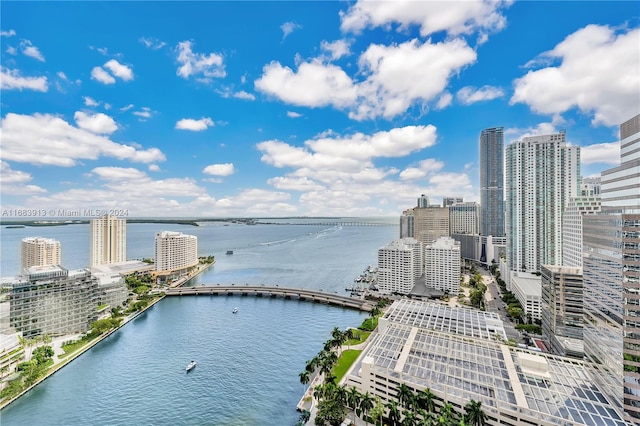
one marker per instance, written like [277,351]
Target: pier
[270,291]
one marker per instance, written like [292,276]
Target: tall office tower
[492,182]
[430,223]
[464,218]
[611,268]
[175,252]
[406,224]
[423,201]
[561,309]
[572,226]
[38,251]
[442,265]
[449,201]
[542,173]
[399,265]
[108,240]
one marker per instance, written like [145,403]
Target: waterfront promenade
[274,291]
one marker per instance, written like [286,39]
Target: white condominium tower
[442,265]
[108,240]
[542,173]
[175,252]
[399,265]
[38,251]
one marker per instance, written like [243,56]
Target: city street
[493,303]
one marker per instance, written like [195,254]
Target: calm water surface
[248,363]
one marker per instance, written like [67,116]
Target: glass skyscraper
[492,182]
[611,266]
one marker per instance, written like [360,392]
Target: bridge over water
[269,291]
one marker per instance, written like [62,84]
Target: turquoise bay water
[248,363]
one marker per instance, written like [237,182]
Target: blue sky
[297,108]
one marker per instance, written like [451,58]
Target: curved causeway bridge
[267,291]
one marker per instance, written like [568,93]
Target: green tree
[393,418]
[377,411]
[353,400]
[474,416]
[426,400]
[366,404]
[42,354]
[305,415]
[409,418]
[405,396]
[304,377]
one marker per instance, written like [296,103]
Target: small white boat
[191,366]
[235,310]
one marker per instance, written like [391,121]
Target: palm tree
[474,415]
[426,400]
[394,413]
[304,377]
[447,415]
[405,395]
[409,418]
[377,411]
[348,335]
[427,418]
[374,312]
[353,400]
[366,404]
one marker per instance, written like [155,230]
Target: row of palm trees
[410,409]
[327,357]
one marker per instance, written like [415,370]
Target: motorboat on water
[229,251]
[191,366]
[235,310]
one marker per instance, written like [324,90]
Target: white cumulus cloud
[206,66]
[289,27]
[119,70]
[606,153]
[99,74]
[90,102]
[30,139]
[194,125]
[28,49]
[96,123]
[225,169]
[453,17]
[336,49]
[12,80]
[293,114]
[314,84]
[469,94]
[599,73]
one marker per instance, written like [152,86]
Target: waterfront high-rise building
[542,174]
[53,300]
[449,201]
[175,253]
[108,240]
[492,182]
[464,218]
[561,309]
[38,251]
[442,265]
[399,265]
[611,272]
[430,223]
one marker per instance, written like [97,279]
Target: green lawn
[72,347]
[363,336]
[344,362]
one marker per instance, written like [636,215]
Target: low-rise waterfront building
[442,265]
[53,300]
[515,386]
